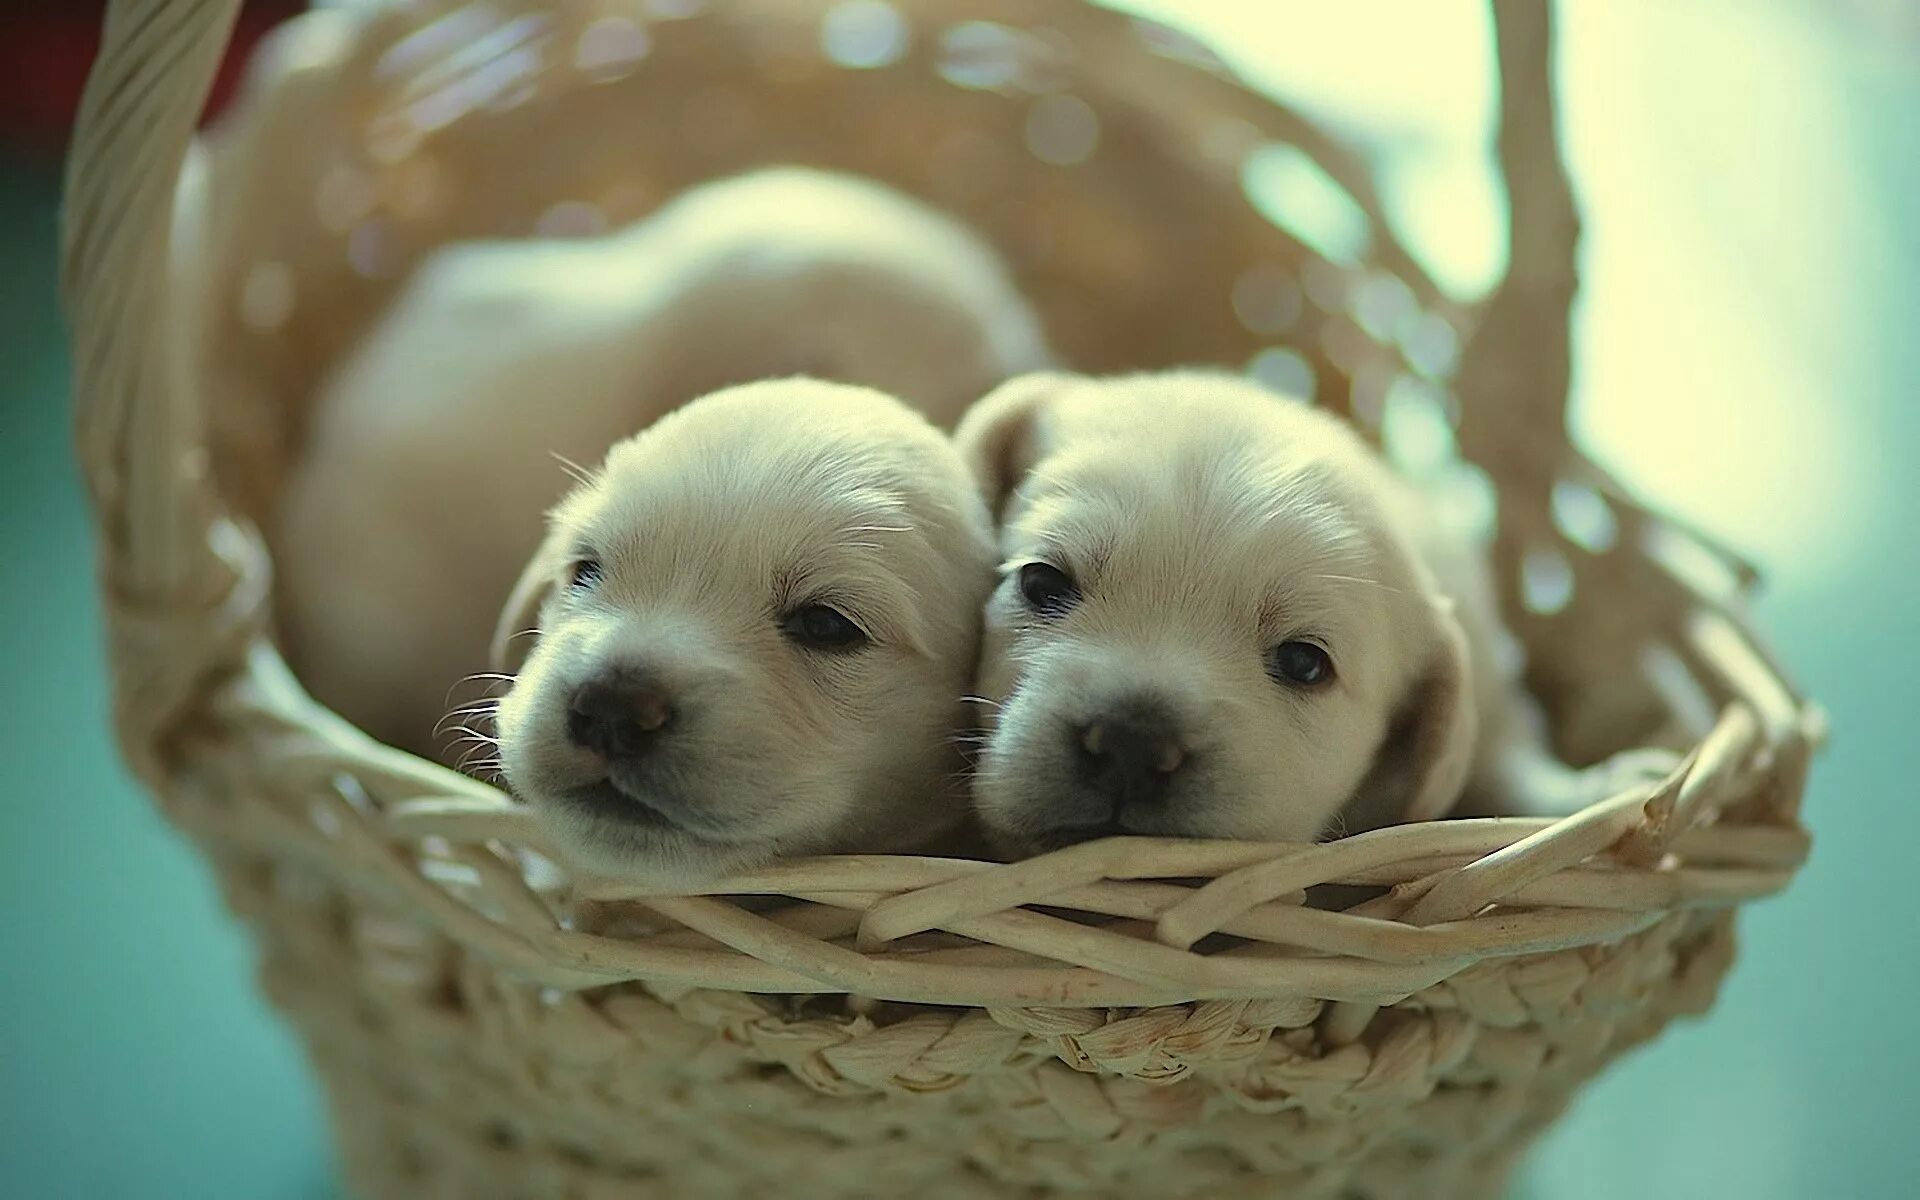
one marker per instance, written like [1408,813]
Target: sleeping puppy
[755,628]
[431,457]
[1222,615]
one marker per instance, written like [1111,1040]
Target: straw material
[1130,1017]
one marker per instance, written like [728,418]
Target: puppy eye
[584,572]
[818,627]
[1301,664]
[1047,589]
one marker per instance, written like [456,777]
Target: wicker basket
[487,1028]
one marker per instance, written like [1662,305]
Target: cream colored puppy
[1222,615]
[431,457]
[756,626]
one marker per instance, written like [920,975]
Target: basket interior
[1134,206]
[1139,209]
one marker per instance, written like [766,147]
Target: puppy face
[1206,624]
[755,628]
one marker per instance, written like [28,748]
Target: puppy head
[1207,624]
[794,270]
[755,627]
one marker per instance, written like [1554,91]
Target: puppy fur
[431,457]
[1203,522]
[708,533]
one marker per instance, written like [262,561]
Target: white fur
[1205,521]
[431,456]
[711,526]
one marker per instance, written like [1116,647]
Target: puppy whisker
[479,704]
[488,771]
[488,681]
[575,472]
[1361,579]
[485,694]
[459,735]
[473,747]
[466,713]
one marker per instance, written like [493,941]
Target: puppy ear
[515,634]
[1000,437]
[1424,762]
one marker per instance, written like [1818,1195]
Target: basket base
[448,1080]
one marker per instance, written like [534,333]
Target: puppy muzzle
[1129,754]
[620,716]
[635,724]
[1126,766]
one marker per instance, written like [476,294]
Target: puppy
[1222,615]
[755,629]
[432,453]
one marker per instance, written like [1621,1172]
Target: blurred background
[1746,355]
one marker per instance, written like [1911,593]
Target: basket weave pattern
[490,1024]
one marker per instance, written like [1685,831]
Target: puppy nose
[618,718]
[1129,757]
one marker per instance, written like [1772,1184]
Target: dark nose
[1130,756]
[618,718]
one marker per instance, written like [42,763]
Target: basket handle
[138,419]
[1516,369]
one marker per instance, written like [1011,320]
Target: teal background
[1748,354]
